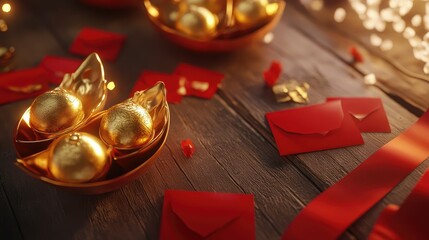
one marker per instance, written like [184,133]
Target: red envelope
[367,113]
[313,128]
[200,82]
[59,66]
[147,79]
[23,84]
[106,44]
[207,215]
[408,221]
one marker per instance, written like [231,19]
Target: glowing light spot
[6,7]
[386,45]
[416,20]
[375,40]
[370,79]
[268,38]
[340,15]
[111,86]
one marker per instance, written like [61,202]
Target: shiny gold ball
[197,22]
[78,158]
[55,111]
[250,13]
[126,125]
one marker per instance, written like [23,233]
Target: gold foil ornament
[68,106]
[291,91]
[78,157]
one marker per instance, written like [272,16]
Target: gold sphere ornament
[126,125]
[251,13]
[197,22]
[77,158]
[55,111]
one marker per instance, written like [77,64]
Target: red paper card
[313,128]
[59,66]
[23,84]
[410,220]
[106,44]
[200,82]
[367,113]
[147,79]
[207,215]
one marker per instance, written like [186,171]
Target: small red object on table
[272,74]
[188,147]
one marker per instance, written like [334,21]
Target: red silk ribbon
[333,211]
[410,220]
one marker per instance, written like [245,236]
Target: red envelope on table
[313,128]
[409,221]
[59,66]
[148,78]
[106,44]
[23,84]
[207,215]
[367,113]
[199,82]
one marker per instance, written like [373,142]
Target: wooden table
[235,150]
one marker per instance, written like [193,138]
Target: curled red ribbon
[333,211]
[410,220]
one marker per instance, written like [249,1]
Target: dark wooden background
[235,151]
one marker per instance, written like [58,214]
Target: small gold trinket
[291,91]
[197,22]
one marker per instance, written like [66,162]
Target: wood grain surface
[235,151]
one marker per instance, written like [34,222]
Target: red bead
[188,147]
[357,56]
[272,74]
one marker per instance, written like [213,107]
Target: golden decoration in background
[208,25]
[75,158]
[6,56]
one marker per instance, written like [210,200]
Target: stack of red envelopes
[207,215]
[334,124]
[186,80]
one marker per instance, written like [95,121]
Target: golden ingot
[55,111]
[77,158]
[79,96]
[126,125]
[197,22]
[250,13]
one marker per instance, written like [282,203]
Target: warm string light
[376,15]
[5,8]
